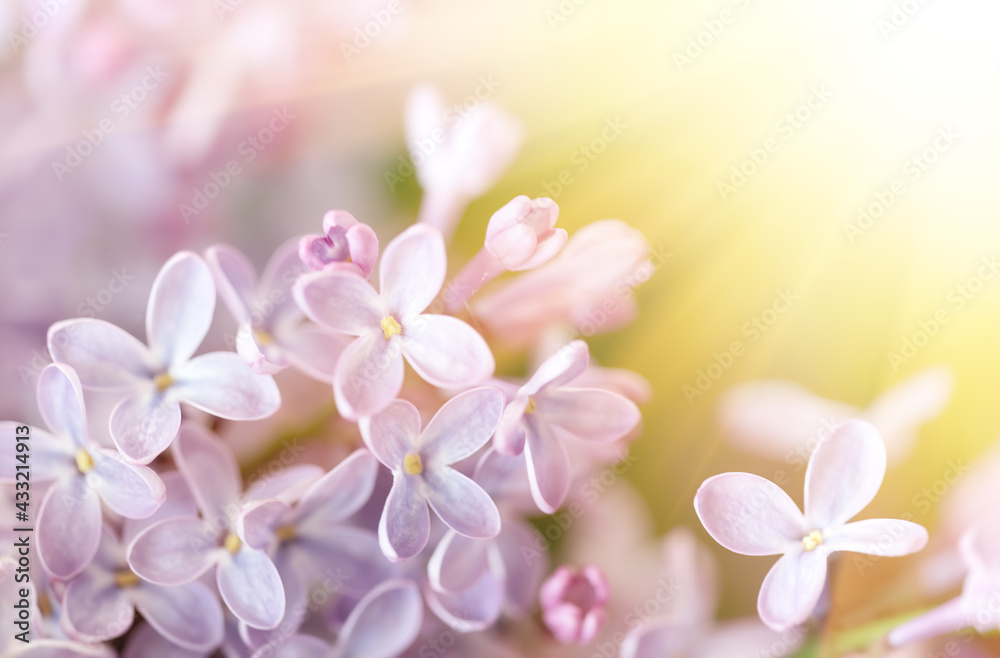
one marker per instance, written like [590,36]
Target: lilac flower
[144,642]
[520,236]
[99,604]
[156,379]
[272,334]
[976,606]
[422,475]
[82,474]
[545,413]
[573,603]
[382,625]
[456,160]
[443,350]
[346,245]
[752,516]
[178,550]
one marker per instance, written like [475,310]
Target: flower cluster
[413,516]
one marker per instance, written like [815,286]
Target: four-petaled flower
[573,603]
[422,474]
[161,376]
[443,350]
[82,474]
[750,515]
[545,412]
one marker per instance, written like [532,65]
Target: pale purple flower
[145,642]
[587,287]
[976,607]
[750,515]
[422,474]
[157,378]
[273,333]
[687,598]
[178,550]
[545,414]
[573,603]
[82,474]
[458,157]
[779,419]
[346,245]
[382,625]
[100,603]
[443,350]
[520,236]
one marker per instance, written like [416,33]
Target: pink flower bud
[521,235]
[347,245]
[573,603]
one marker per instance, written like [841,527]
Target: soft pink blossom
[573,603]
[346,245]
[752,516]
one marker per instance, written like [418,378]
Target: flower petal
[95,608]
[791,589]
[188,615]
[463,425]
[143,425]
[223,385]
[882,537]
[343,303]
[899,412]
[174,551]
[392,432]
[589,413]
[659,638]
[352,554]
[510,435]
[178,501]
[298,646]
[180,310]
[548,467]
[844,473]
[405,524]
[547,249]
[446,352]
[523,575]
[412,270]
[363,245]
[341,492]
[50,457]
[69,527]
[313,350]
[210,469]
[748,514]
[134,492]
[258,521]
[749,637]
[144,641]
[235,278]
[287,484]
[251,587]
[562,367]
[104,356]
[60,401]
[458,562]
[461,503]
[384,623]
[473,609]
[369,375]
[274,292]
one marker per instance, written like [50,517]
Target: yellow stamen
[285,532]
[812,540]
[84,461]
[44,604]
[163,382]
[232,543]
[390,327]
[262,337]
[412,464]
[530,409]
[125,579]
